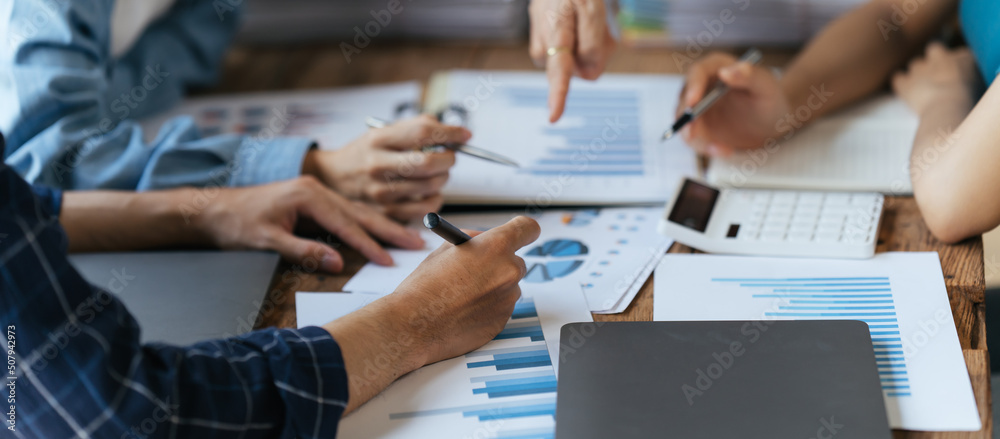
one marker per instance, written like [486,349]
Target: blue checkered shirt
[79,370]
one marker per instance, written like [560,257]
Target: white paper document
[606,253]
[507,388]
[863,148]
[901,296]
[606,149]
[318,309]
[331,117]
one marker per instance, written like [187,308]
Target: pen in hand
[374,122]
[752,56]
[444,229]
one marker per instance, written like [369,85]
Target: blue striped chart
[534,433]
[492,411]
[511,379]
[594,149]
[868,299]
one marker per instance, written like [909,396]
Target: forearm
[954,167]
[122,221]
[856,54]
[376,350]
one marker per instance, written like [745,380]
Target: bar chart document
[505,389]
[606,149]
[606,253]
[901,296]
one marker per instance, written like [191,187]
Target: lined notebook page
[864,148]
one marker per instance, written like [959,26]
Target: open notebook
[864,148]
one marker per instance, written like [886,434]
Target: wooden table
[319,66]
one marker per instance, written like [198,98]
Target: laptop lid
[765,379]
[182,297]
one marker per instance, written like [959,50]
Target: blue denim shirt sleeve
[69,108]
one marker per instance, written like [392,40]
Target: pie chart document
[607,254]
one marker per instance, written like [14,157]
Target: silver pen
[374,122]
[752,56]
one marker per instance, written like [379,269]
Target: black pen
[752,56]
[444,229]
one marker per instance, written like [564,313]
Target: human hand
[577,35]
[462,296]
[742,119]
[458,299]
[942,76]
[265,217]
[386,167]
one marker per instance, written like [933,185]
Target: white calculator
[774,223]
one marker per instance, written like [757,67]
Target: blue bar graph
[493,410]
[608,143]
[493,414]
[533,332]
[513,384]
[538,433]
[516,360]
[524,309]
[868,299]
[518,386]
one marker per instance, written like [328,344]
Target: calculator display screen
[694,206]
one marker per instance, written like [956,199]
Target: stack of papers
[606,253]
[605,150]
[331,117]
[298,20]
[507,387]
[901,296]
[702,24]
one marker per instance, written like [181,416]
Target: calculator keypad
[808,217]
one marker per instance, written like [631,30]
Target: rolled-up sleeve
[70,109]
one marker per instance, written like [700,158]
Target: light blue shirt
[981,25]
[68,108]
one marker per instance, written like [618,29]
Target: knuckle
[378,136]
[425,132]
[419,161]
[537,53]
[373,168]
[447,159]
[381,193]
[307,183]
[520,269]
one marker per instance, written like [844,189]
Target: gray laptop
[766,380]
[188,296]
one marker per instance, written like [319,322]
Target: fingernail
[714,150]
[331,263]
[686,133]
[416,236]
[466,134]
[691,96]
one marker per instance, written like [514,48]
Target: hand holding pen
[730,105]
[374,122]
